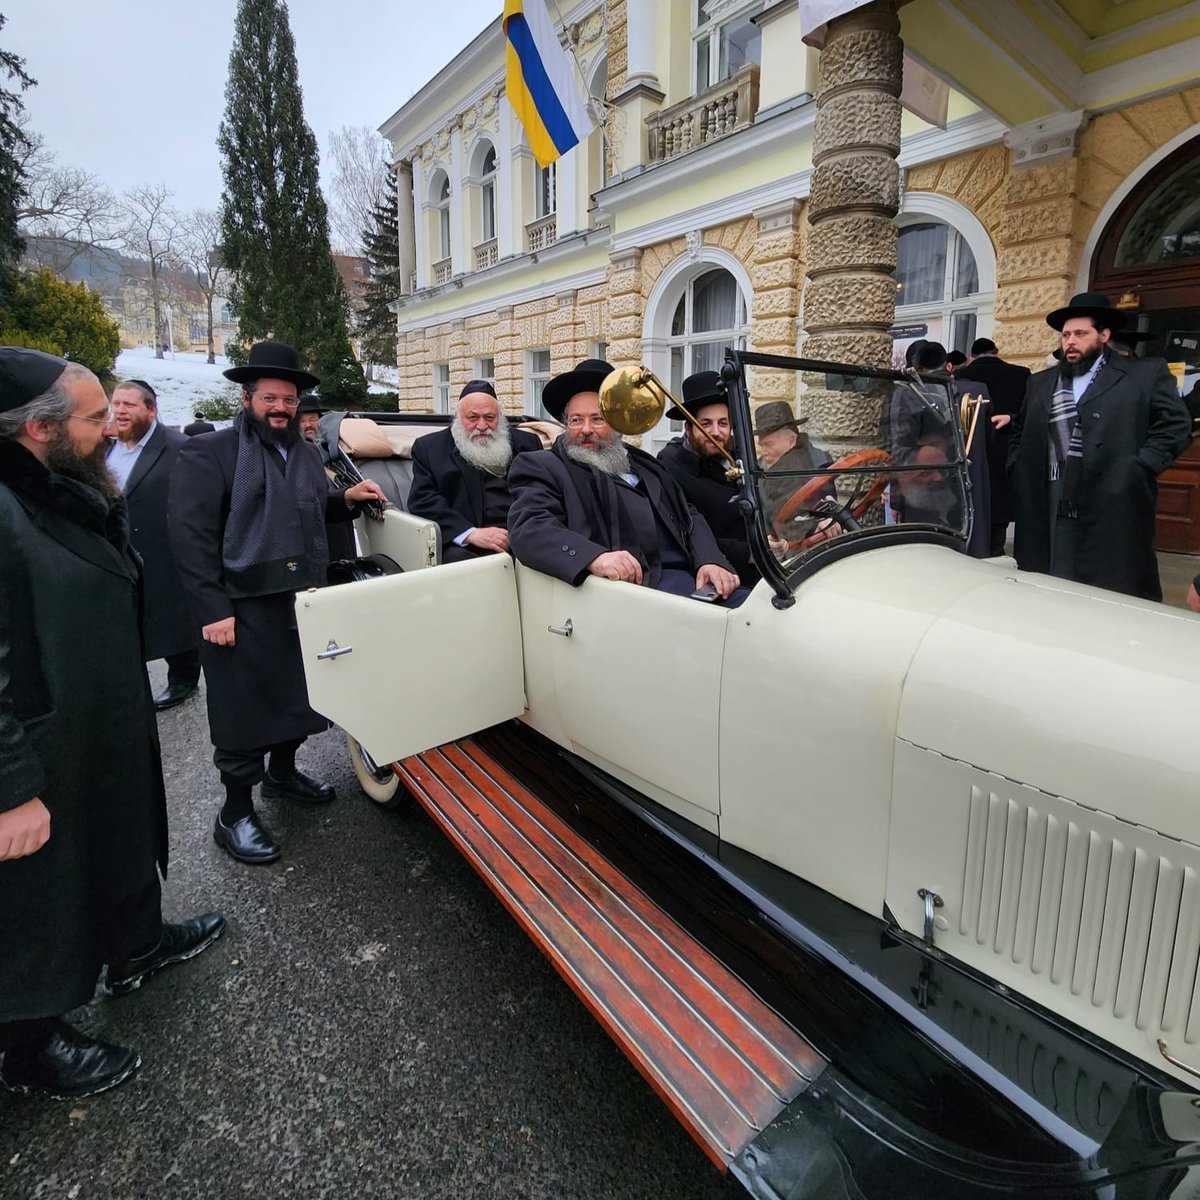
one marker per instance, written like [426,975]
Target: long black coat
[1006,383]
[1134,426]
[553,528]
[76,729]
[448,489]
[257,695]
[169,628]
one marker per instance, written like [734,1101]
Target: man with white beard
[460,475]
[594,506]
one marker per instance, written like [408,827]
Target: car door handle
[333,650]
[563,630]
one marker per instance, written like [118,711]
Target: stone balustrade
[486,255]
[713,114]
[441,271]
[541,233]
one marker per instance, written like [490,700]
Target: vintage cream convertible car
[888,880]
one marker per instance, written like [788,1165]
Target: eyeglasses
[579,422]
[286,401]
[106,419]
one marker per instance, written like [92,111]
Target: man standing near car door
[247,515]
[1094,434]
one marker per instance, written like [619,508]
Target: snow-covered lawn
[180,380]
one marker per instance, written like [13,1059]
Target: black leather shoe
[177,944]
[67,1065]
[247,840]
[298,786]
[176,693]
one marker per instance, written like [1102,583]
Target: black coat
[448,489]
[715,499]
[257,695]
[1006,384]
[1134,426]
[169,628]
[195,427]
[554,528]
[76,729]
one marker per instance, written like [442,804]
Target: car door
[415,660]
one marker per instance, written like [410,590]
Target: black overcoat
[1134,426]
[77,729]
[448,489]
[553,527]
[169,628]
[257,695]
[1006,383]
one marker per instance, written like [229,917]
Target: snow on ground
[180,380]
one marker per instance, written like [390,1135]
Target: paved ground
[373,1024]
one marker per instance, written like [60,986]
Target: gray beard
[612,459]
[492,456]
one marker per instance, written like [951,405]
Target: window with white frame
[441,387]
[598,349]
[537,375]
[487,194]
[545,199]
[710,318]
[485,368]
[937,284]
[724,39]
[443,218]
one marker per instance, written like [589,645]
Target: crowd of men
[191,549]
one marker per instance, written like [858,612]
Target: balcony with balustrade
[486,255]
[441,271]
[713,114]
[541,233]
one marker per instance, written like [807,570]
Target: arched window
[937,286]
[443,217]
[487,194]
[710,318]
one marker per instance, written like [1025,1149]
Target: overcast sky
[133,90]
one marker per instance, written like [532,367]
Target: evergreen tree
[12,145]
[381,240]
[274,223]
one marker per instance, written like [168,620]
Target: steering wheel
[810,491]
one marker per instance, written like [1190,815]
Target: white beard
[491,454]
[612,459]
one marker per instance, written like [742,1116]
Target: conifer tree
[274,223]
[13,143]
[381,240]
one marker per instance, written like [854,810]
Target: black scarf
[275,536]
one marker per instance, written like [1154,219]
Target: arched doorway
[1148,262]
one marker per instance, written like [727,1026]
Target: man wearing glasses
[83,820]
[247,513]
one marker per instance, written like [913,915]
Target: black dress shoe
[298,786]
[67,1065]
[246,840]
[177,944]
[176,693]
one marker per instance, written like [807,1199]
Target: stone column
[461,252]
[406,225]
[633,86]
[775,273]
[640,18]
[625,308]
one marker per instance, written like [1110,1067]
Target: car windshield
[855,452]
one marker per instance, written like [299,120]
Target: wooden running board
[724,1062]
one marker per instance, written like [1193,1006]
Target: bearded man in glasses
[83,820]
[246,517]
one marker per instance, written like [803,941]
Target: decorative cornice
[626,260]
[785,214]
[639,87]
[774,11]
[1048,140]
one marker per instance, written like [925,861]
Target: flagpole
[605,106]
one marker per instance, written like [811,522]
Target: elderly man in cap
[142,458]
[83,822]
[1086,450]
[696,462]
[784,448]
[592,505]
[460,475]
[248,507]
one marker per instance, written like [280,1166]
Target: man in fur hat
[247,512]
[1086,450]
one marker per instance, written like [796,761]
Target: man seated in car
[592,505]
[460,475]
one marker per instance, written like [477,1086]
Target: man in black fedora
[697,464]
[593,506]
[460,475]
[309,412]
[1094,434]
[248,507]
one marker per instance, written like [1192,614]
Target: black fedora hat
[587,377]
[704,387]
[273,360]
[310,403]
[1088,304]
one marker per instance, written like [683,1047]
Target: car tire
[381,784]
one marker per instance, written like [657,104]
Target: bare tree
[360,165]
[201,252]
[151,230]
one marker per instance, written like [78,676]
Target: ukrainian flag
[542,83]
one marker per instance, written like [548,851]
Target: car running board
[724,1062]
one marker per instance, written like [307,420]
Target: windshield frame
[783,578]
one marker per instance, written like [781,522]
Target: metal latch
[563,630]
[1175,1062]
[333,650]
[932,902]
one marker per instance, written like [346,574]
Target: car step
[724,1062]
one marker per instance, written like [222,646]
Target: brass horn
[633,400]
[968,415]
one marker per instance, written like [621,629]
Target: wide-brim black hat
[1088,304]
[310,404]
[587,377]
[273,360]
[701,389]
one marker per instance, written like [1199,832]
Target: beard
[610,457]
[1082,365]
[63,459]
[701,446]
[489,450]
[284,438]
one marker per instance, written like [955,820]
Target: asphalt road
[373,1024]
